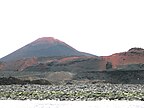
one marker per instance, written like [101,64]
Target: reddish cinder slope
[70,64]
[20,65]
[2,65]
[48,40]
[132,56]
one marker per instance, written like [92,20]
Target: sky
[100,27]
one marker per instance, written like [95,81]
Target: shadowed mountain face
[43,47]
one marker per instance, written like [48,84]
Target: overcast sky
[100,27]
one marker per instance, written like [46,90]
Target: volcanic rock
[44,47]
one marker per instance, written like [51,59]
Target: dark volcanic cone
[43,47]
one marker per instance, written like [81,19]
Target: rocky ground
[88,92]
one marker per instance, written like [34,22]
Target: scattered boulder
[41,82]
[109,65]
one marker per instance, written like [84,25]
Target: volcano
[44,47]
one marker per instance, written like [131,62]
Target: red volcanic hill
[44,47]
[134,56]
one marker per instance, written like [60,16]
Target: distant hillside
[44,47]
[124,67]
[133,59]
[70,64]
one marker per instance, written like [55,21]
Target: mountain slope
[69,64]
[134,57]
[125,67]
[43,47]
